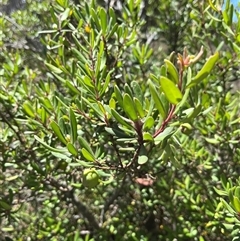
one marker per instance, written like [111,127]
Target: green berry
[90,178]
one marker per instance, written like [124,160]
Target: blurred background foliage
[64,72]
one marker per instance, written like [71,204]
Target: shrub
[115,139]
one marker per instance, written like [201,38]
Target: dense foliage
[119,120]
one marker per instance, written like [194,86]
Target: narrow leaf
[73,125]
[27,107]
[118,95]
[205,71]
[157,100]
[120,119]
[84,144]
[103,19]
[58,132]
[236,204]
[139,107]
[53,68]
[5,205]
[72,149]
[187,91]
[172,71]
[87,155]
[227,206]
[47,146]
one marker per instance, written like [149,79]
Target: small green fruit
[90,178]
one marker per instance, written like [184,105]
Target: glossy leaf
[148,123]
[65,14]
[139,107]
[54,69]
[118,95]
[205,71]
[103,19]
[172,71]
[171,91]
[142,158]
[72,149]
[236,204]
[147,136]
[129,107]
[87,155]
[120,118]
[84,144]
[137,91]
[227,206]
[106,84]
[58,132]
[157,100]
[27,107]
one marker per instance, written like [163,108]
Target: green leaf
[166,133]
[73,125]
[205,71]
[72,149]
[113,30]
[49,147]
[212,140]
[103,19]
[171,91]
[139,107]
[187,91]
[236,204]
[87,155]
[129,107]
[5,205]
[212,5]
[148,123]
[95,18]
[137,91]
[27,107]
[84,144]
[53,68]
[116,132]
[65,14]
[106,84]
[220,192]
[121,119]
[118,95]
[227,206]
[172,71]
[157,100]
[95,107]
[112,15]
[147,136]
[237,192]
[58,132]
[142,157]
